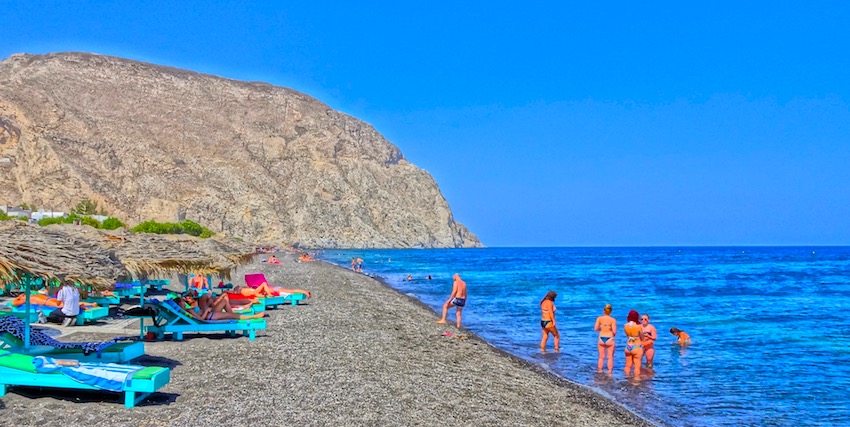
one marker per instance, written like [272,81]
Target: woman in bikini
[547,322]
[634,347]
[607,328]
[648,340]
[208,314]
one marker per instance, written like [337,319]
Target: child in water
[683,338]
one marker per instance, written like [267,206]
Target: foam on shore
[359,353]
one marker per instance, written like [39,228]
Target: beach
[357,353]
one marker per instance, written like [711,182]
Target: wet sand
[357,353]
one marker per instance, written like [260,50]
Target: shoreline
[358,353]
[527,364]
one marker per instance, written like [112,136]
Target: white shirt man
[70,297]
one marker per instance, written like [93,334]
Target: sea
[767,323]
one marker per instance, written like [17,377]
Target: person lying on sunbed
[266,290]
[41,299]
[273,260]
[208,314]
[305,257]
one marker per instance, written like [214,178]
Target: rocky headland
[247,159]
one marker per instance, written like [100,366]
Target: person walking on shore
[607,328]
[457,299]
[547,322]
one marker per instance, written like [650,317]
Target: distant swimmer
[457,299]
[547,322]
[409,277]
[429,277]
[683,338]
[607,328]
[648,339]
[634,345]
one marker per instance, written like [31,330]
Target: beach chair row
[44,364]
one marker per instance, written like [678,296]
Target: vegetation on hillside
[186,227]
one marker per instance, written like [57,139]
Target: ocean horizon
[755,313]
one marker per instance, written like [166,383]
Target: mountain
[248,159]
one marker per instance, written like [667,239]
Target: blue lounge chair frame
[134,391]
[135,289]
[178,321]
[157,284]
[273,302]
[88,315]
[121,352]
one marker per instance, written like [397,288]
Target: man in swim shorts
[457,299]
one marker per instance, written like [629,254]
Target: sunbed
[129,290]
[256,279]
[135,382]
[157,284]
[175,320]
[117,350]
[90,314]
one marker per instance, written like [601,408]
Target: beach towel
[105,376]
[15,327]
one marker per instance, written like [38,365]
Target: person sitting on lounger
[220,303]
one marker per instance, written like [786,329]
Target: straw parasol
[54,255]
[145,254]
[28,252]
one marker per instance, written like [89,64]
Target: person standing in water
[607,328]
[634,347]
[547,322]
[456,299]
[649,335]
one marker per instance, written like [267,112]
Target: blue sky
[555,124]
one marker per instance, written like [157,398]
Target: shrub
[112,223]
[186,227]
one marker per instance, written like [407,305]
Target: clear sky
[550,123]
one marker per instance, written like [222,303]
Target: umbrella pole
[142,319]
[26,281]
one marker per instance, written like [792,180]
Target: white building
[41,214]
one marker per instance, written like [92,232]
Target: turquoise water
[770,348]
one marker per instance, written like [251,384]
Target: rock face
[251,160]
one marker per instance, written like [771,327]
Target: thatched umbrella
[28,252]
[146,254]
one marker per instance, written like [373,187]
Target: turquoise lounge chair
[88,315]
[21,370]
[175,320]
[104,301]
[157,284]
[257,279]
[114,351]
[129,290]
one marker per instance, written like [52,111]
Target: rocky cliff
[251,160]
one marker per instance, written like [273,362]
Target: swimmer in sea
[457,299]
[683,338]
[634,346]
[607,328]
[648,339]
[547,322]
